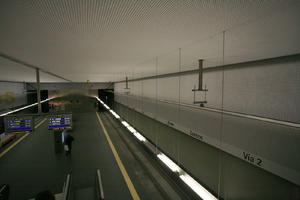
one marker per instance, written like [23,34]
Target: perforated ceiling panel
[101,40]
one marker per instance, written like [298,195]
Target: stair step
[85,193]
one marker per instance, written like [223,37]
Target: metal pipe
[66,189]
[200,74]
[100,184]
[274,121]
[31,66]
[281,59]
[38,91]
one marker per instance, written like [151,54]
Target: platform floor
[33,166]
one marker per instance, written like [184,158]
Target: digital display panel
[18,124]
[62,121]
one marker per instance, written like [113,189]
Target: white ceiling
[105,40]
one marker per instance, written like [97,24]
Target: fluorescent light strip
[125,124]
[102,103]
[114,114]
[187,179]
[139,137]
[197,188]
[135,133]
[106,106]
[168,162]
[131,129]
[28,106]
[99,99]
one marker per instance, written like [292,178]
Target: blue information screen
[63,121]
[15,124]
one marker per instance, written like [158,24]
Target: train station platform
[32,165]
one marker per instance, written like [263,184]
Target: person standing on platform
[68,144]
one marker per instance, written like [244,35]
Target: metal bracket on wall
[127,89]
[200,86]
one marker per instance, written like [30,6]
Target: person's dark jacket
[68,140]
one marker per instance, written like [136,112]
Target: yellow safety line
[126,177]
[21,138]
[41,122]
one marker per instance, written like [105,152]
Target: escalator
[88,193]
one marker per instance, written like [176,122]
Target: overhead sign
[61,121]
[18,123]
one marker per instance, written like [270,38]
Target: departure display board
[18,123]
[61,121]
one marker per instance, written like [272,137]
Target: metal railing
[67,188]
[4,192]
[99,187]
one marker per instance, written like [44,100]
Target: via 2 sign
[252,159]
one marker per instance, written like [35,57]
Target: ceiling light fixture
[197,188]
[168,162]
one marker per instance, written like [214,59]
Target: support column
[38,91]
[200,86]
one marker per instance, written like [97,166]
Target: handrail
[25,107]
[4,192]
[274,121]
[66,188]
[99,185]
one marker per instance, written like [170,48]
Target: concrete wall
[266,89]
[12,94]
[213,168]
